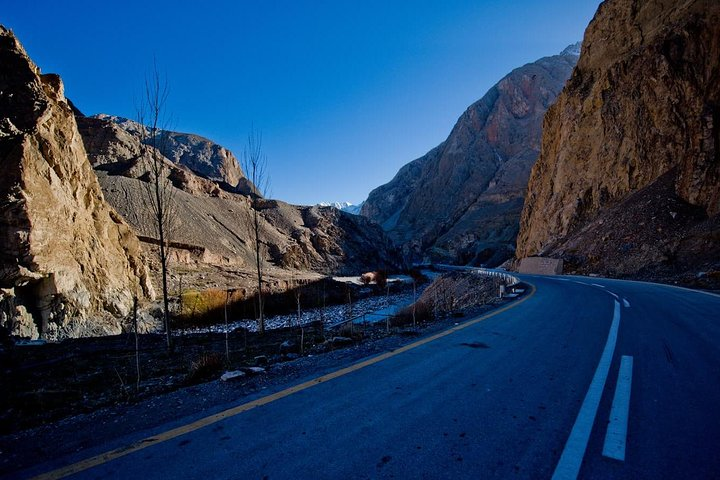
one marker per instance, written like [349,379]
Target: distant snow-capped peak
[573,49]
[344,206]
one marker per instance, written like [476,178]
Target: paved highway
[584,378]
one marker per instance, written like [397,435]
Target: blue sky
[345,93]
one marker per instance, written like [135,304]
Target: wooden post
[227,344]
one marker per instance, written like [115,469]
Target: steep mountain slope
[461,201]
[210,230]
[69,263]
[640,115]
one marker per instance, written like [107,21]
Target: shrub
[207,366]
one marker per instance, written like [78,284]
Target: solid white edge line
[568,466]
[615,438]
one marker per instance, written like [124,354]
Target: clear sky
[345,93]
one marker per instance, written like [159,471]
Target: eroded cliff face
[112,140]
[209,229]
[644,100]
[70,264]
[461,202]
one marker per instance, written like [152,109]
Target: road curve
[504,397]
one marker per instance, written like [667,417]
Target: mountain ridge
[461,201]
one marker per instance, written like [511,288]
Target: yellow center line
[231,412]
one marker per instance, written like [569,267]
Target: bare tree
[254,164]
[297,293]
[159,190]
[137,343]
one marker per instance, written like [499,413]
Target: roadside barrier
[510,280]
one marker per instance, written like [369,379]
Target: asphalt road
[526,393]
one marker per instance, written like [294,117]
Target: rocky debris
[455,291]
[652,234]
[460,203]
[68,259]
[233,375]
[15,319]
[642,103]
[341,341]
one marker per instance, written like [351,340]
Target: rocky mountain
[461,202]
[113,143]
[69,263]
[210,232]
[631,149]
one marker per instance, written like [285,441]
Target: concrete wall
[541,266]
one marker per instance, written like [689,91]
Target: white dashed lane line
[616,435]
[572,456]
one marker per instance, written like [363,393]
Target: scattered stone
[261,360]
[341,341]
[234,375]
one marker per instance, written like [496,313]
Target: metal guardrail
[511,280]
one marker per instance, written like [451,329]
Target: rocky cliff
[69,263]
[640,115]
[461,202]
[112,141]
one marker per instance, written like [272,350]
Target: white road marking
[597,285]
[569,465]
[614,295]
[616,435]
[626,303]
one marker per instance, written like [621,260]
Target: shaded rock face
[651,234]
[461,202]
[114,145]
[112,140]
[644,100]
[68,260]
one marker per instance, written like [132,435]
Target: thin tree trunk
[259,273]
[137,343]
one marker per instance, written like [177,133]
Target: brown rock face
[643,100]
[461,202]
[67,258]
[115,140]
